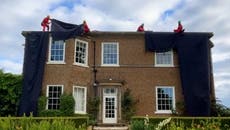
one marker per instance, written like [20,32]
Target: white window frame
[164,65]
[102,54]
[85,99]
[173,101]
[86,55]
[47,93]
[53,61]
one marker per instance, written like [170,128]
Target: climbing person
[85,27]
[179,28]
[141,28]
[45,23]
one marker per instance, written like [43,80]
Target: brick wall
[136,70]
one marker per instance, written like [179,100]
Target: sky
[120,15]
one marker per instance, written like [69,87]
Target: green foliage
[67,105]
[137,125]
[41,104]
[128,105]
[185,123]
[50,113]
[218,109]
[93,108]
[32,123]
[10,89]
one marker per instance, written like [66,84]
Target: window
[79,94]
[81,53]
[110,91]
[164,59]
[53,93]
[57,51]
[165,100]
[110,54]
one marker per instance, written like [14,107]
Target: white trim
[164,65]
[173,98]
[102,55]
[86,55]
[110,120]
[49,57]
[47,92]
[55,62]
[85,99]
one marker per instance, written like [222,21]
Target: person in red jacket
[179,28]
[141,28]
[45,23]
[85,27]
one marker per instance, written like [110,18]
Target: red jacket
[45,21]
[179,28]
[140,29]
[86,28]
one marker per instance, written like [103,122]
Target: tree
[218,109]
[10,92]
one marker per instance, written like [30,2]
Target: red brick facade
[136,71]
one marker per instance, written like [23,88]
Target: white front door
[109,105]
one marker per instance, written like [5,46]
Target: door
[109,107]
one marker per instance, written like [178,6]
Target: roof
[94,33]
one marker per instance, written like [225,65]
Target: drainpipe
[94,70]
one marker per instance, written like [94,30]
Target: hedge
[26,123]
[223,122]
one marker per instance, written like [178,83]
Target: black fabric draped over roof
[33,69]
[193,53]
[36,48]
[62,31]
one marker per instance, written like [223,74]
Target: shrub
[41,104]
[93,108]
[189,123]
[67,105]
[218,109]
[50,113]
[128,105]
[33,123]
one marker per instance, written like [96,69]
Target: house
[105,64]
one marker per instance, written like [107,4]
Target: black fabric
[33,69]
[63,31]
[34,61]
[193,53]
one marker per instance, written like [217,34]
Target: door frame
[110,120]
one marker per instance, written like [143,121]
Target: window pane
[57,51]
[110,54]
[80,52]
[54,93]
[165,98]
[164,58]
[80,101]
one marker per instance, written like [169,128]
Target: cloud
[9,66]
[221,56]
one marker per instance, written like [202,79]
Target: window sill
[164,66]
[110,65]
[81,65]
[163,112]
[55,62]
[80,112]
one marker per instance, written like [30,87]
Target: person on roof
[45,23]
[141,28]
[85,27]
[179,28]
